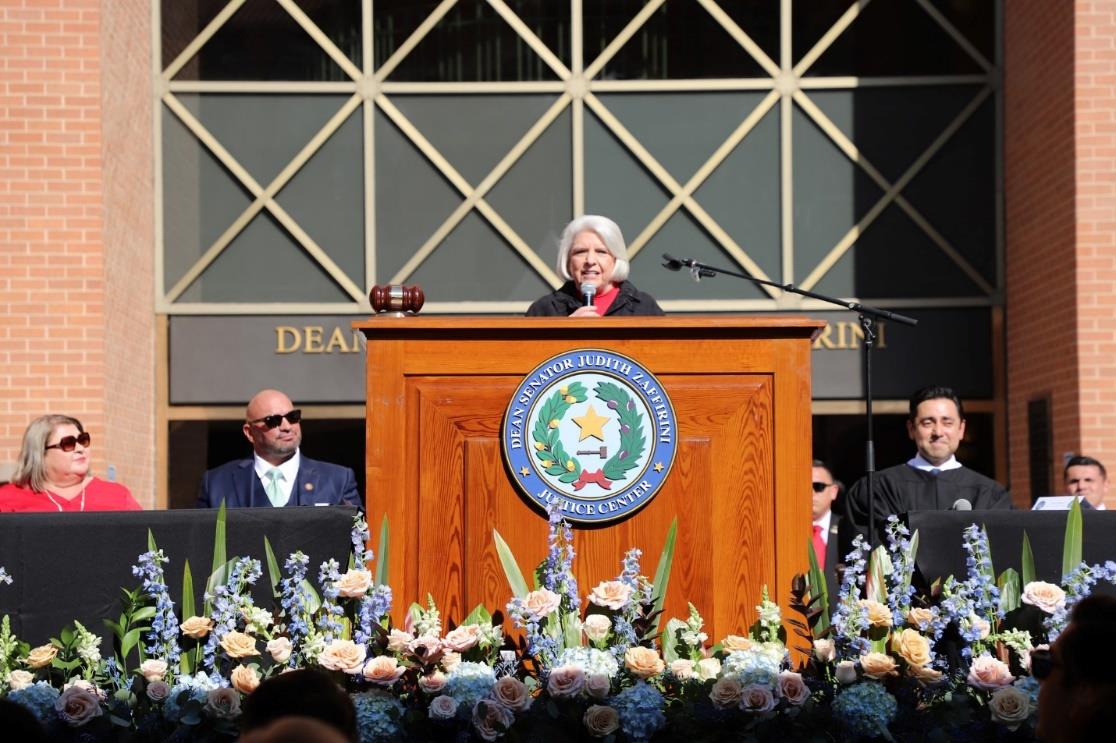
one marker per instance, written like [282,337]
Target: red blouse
[99,495]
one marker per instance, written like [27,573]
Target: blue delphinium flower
[329,623]
[1078,583]
[39,697]
[378,716]
[641,711]
[230,602]
[162,638]
[374,606]
[899,589]
[294,597]
[360,537]
[469,682]
[865,708]
[556,571]
[850,620]
[542,646]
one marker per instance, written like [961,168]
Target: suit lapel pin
[309,486]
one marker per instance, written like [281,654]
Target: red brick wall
[65,268]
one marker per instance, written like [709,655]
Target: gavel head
[396,298]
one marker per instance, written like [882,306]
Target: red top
[601,302]
[99,496]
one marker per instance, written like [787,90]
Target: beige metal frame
[576,88]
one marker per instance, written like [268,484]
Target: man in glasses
[825,490]
[277,475]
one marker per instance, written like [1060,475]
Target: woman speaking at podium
[593,260]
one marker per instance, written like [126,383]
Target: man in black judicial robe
[932,480]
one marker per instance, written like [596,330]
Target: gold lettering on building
[849,336]
[308,339]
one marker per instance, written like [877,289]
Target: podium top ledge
[791,326]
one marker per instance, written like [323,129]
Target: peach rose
[542,602]
[153,669]
[596,627]
[158,691]
[756,698]
[41,656]
[432,683]
[708,668]
[279,649]
[239,645]
[77,706]
[879,615]
[682,668]
[398,640]
[450,661]
[597,685]
[732,643]
[565,682]
[825,651]
[878,665]
[343,655]
[1011,706]
[20,679]
[925,674]
[845,671]
[223,704]
[462,638]
[920,618]
[354,583]
[1045,596]
[443,707]
[643,662]
[987,672]
[512,693]
[793,688]
[911,647]
[491,720]
[244,679]
[383,670]
[600,720]
[726,692]
[196,627]
[611,594]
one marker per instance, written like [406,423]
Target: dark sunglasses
[67,443]
[271,421]
[820,486]
[1042,663]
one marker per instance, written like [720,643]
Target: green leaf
[1028,561]
[187,592]
[143,614]
[1010,590]
[511,567]
[218,572]
[129,642]
[382,554]
[313,600]
[818,589]
[571,629]
[67,636]
[479,615]
[151,546]
[989,571]
[878,566]
[272,568]
[1071,546]
[670,639]
[662,570]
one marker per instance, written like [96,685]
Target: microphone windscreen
[588,291]
[961,505]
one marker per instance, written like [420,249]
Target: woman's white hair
[610,235]
[30,471]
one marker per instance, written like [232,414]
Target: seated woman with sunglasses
[53,472]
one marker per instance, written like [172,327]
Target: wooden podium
[438,388]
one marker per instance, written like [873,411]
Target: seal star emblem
[658,466]
[524,471]
[591,424]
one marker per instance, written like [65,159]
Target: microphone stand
[868,316]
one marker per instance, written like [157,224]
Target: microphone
[671,263]
[961,505]
[588,291]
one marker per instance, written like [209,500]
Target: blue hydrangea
[589,660]
[641,711]
[39,697]
[866,708]
[196,687]
[378,715]
[758,664]
[470,682]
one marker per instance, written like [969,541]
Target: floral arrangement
[892,663]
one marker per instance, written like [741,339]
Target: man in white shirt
[1086,478]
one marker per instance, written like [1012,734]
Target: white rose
[20,679]
[846,671]
[354,583]
[708,668]
[279,649]
[153,669]
[825,651]
[596,627]
[683,668]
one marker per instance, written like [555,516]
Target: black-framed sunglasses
[69,443]
[271,421]
[820,486]
[1042,663]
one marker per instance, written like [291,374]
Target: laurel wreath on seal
[567,468]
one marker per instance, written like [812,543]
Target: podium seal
[593,430]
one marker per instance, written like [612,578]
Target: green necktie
[274,492]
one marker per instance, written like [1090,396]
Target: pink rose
[683,668]
[726,692]
[343,655]
[512,693]
[157,691]
[597,685]
[756,698]
[987,672]
[643,662]
[443,707]
[427,648]
[354,583]
[793,688]
[611,594]
[601,720]
[77,706]
[244,679]
[462,638]
[432,683]
[491,720]
[540,603]
[398,640]
[565,682]
[1045,596]
[223,704]
[383,670]
[279,649]
[153,669]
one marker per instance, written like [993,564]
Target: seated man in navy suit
[277,475]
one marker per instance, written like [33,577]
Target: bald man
[277,475]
